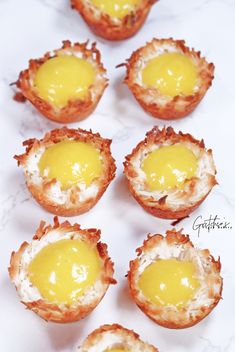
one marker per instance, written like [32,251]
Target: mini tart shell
[151,100]
[76,109]
[114,336]
[180,247]
[175,203]
[51,311]
[113,29]
[48,192]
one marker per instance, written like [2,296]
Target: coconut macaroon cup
[63,274]
[174,283]
[68,170]
[170,174]
[64,85]
[167,78]
[114,338]
[114,19]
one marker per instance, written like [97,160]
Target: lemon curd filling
[169,166]
[71,162]
[63,270]
[171,73]
[116,8]
[63,78]
[169,282]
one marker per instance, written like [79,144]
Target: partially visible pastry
[114,338]
[113,19]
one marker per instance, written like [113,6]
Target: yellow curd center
[171,73]
[64,78]
[71,162]
[169,282]
[169,167]
[63,270]
[116,8]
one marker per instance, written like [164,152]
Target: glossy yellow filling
[63,270]
[171,73]
[168,167]
[116,8]
[71,162]
[169,282]
[64,78]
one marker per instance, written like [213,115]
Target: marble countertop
[28,29]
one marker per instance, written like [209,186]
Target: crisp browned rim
[180,105]
[39,192]
[52,311]
[76,109]
[158,136]
[173,238]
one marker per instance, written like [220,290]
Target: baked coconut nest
[114,336]
[178,246]
[30,296]
[76,109]
[172,203]
[150,98]
[79,198]
[110,28]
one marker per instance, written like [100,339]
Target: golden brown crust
[180,105]
[171,318]
[75,110]
[116,329]
[160,207]
[105,27]
[39,191]
[162,211]
[54,312]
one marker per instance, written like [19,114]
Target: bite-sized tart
[68,170]
[170,174]
[114,338]
[167,78]
[174,283]
[114,19]
[63,274]
[64,85]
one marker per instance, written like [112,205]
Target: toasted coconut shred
[178,246]
[76,109]
[114,336]
[151,99]
[29,294]
[113,28]
[78,198]
[171,203]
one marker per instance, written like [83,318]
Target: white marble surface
[29,28]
